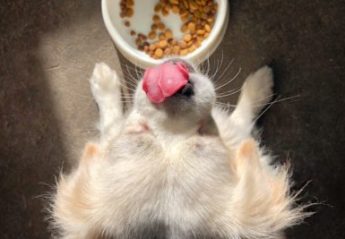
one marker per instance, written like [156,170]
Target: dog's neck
[169,130]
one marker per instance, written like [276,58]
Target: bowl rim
[200,54]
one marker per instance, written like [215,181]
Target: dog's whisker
[220,64]
[215,73]
[226,104]
[129,72]
[131,77]
[222,71]
[219,79]
[269,105]
[228,94]
[127,84]
[208,64]
[286,99]
[130,84]
[127,97]
[228,82]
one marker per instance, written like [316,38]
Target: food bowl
[141,22]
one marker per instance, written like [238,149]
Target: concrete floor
[47,52]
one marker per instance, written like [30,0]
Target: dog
[175,165]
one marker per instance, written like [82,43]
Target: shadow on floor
[32,150]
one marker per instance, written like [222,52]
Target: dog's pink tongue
[165,80]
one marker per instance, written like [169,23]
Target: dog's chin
[178,106]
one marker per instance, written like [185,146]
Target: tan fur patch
[248,149]
[90,151]
[246,157]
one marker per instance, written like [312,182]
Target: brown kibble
[152,35]
[207,28]
[184,17]
[185,3]
[152,47]
[187,37]
[154,27]
[189,44]
[191,27]
[184,28]
[215,6]
[210,20]
[200,38]
[167,7]
[193,6]
[200,32]
[175,9]
[176,49]
[127,23]
[158,53]
[168,34]
[156,19]
[141,47]
[163,43]
[137,40]
[161,36]
[158,7]
[197,16]
[192,48]
[161,26]
[142,37]
[184,52]
[167,51]
[130,12]
[183,44]
[165,12]
[202,3]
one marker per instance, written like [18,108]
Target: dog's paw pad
[104,80]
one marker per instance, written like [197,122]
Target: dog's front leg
[106,89]
[256,92]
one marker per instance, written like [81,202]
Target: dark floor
[303,41]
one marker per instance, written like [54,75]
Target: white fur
[156,171]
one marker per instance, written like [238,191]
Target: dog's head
[175,94]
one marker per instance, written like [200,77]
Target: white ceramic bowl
[141,22]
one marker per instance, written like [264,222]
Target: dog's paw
[104,81]
[259,86]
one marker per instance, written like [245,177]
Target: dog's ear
[261,199]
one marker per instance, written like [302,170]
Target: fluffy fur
[183,169]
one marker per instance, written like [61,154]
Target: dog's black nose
[186,90]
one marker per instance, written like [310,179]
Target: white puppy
[179,169]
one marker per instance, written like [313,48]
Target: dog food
[197,18]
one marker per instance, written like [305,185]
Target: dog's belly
[161,197]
